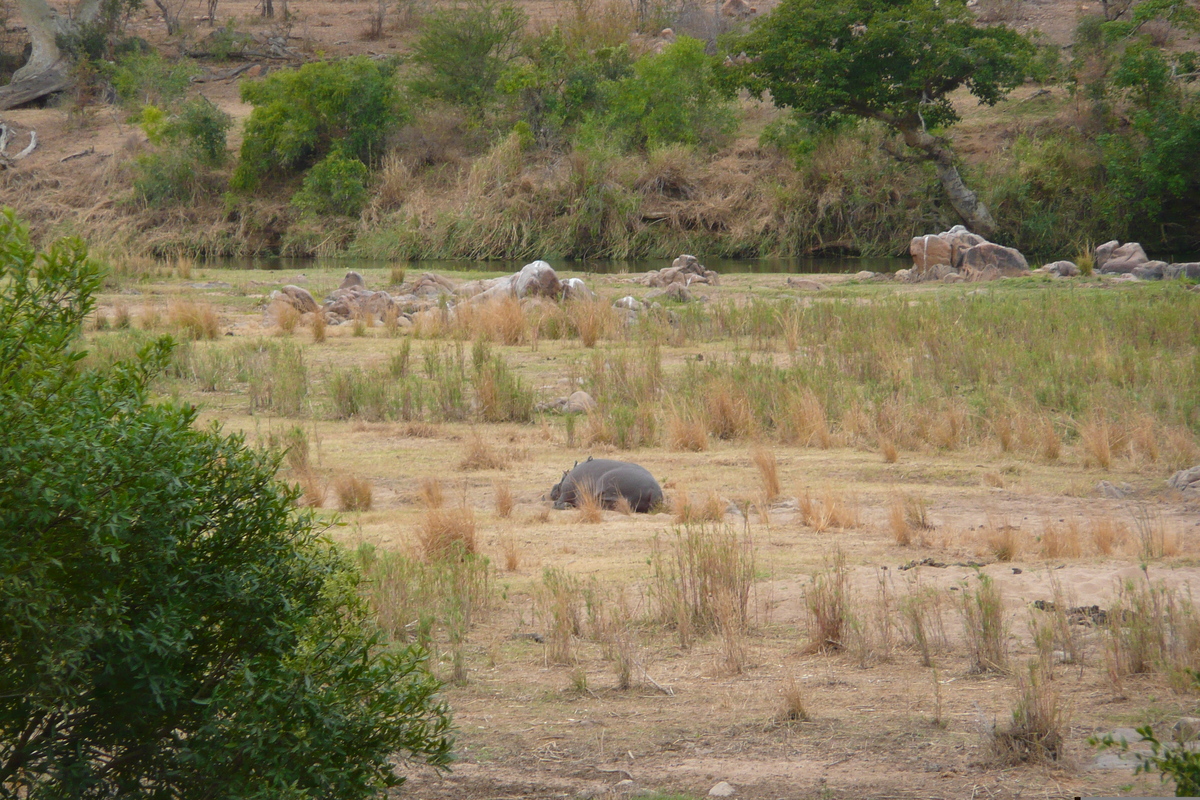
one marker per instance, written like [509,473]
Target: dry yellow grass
[831,510]
[588,502]
[687,510]
[1061,540]
[1108,535]
[902,532]
[431,494]
[592,319]
[1004,541]
[728,411]
[286,318]
[806,422]
[447,532]
[194,319]
[481,455]
[686,432]
[353,493]
[511,552]
[768,471]
[504,499]
[317,326]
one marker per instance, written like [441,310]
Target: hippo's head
[556,489]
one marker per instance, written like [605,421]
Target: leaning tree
[895,61]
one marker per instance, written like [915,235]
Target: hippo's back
[615,479]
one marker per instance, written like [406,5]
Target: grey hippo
[611,480]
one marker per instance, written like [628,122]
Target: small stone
[722,789]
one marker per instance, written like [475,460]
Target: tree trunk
[968,205]
[47,70]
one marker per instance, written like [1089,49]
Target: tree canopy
[881,59]
[896,61]
[169,625]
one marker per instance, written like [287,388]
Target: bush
[187,141]
[301,116]
[464,50]
[671,98]
[146,78]
[170,627]
[336,185]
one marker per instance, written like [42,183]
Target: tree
[465,48]
[895,61]
[93,24]
[301,116]
[169,626]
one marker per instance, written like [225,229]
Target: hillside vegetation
[495,130]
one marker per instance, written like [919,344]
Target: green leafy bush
[303,115]
[557,85]
[335,185]
[671,98]
[146,78]
[186,144]
[464,49]
[169,626]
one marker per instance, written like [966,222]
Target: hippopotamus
[610,480]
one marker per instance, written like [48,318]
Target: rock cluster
[352,297]
[685,270]
[958,254]
[1186,480]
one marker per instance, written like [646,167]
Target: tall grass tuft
[827,601]
[592,319]
[447,533]
[504,499]
[353,493]
[701,579]
[686,431]
[768,470]
[194,320]
[984,626]
[479,454]
[1039,724]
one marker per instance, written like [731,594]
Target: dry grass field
[868,487]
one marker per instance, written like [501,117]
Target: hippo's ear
[589,458]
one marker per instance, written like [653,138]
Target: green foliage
[335,185]
[187,142]
[169,626]
[556,85]
[1175,761]
[146,78]
[303,115]
[465,48]
[671,98]
[103,39]
[893,61]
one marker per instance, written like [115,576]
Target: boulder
[580,402]
[676,291]
[1186,479]
[576,289]
[537,280]
[1150,271]
[1103,254]
[430,284]
[1189,269]
[984,258]
[902,274]
[737,9]
[1062,269]
[629,303]
[961,240]
[865,275]
[296,297]
[804,284]
[953,277]
[928,251]
[1124,259]
[354,299]
[685,269]
[353,279]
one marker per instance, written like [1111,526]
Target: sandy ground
[881,724]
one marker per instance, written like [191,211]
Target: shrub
[148,79]
[464,49]
[671,98]
[335,185]
[300,116]
[128,531]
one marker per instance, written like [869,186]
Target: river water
[831,265]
